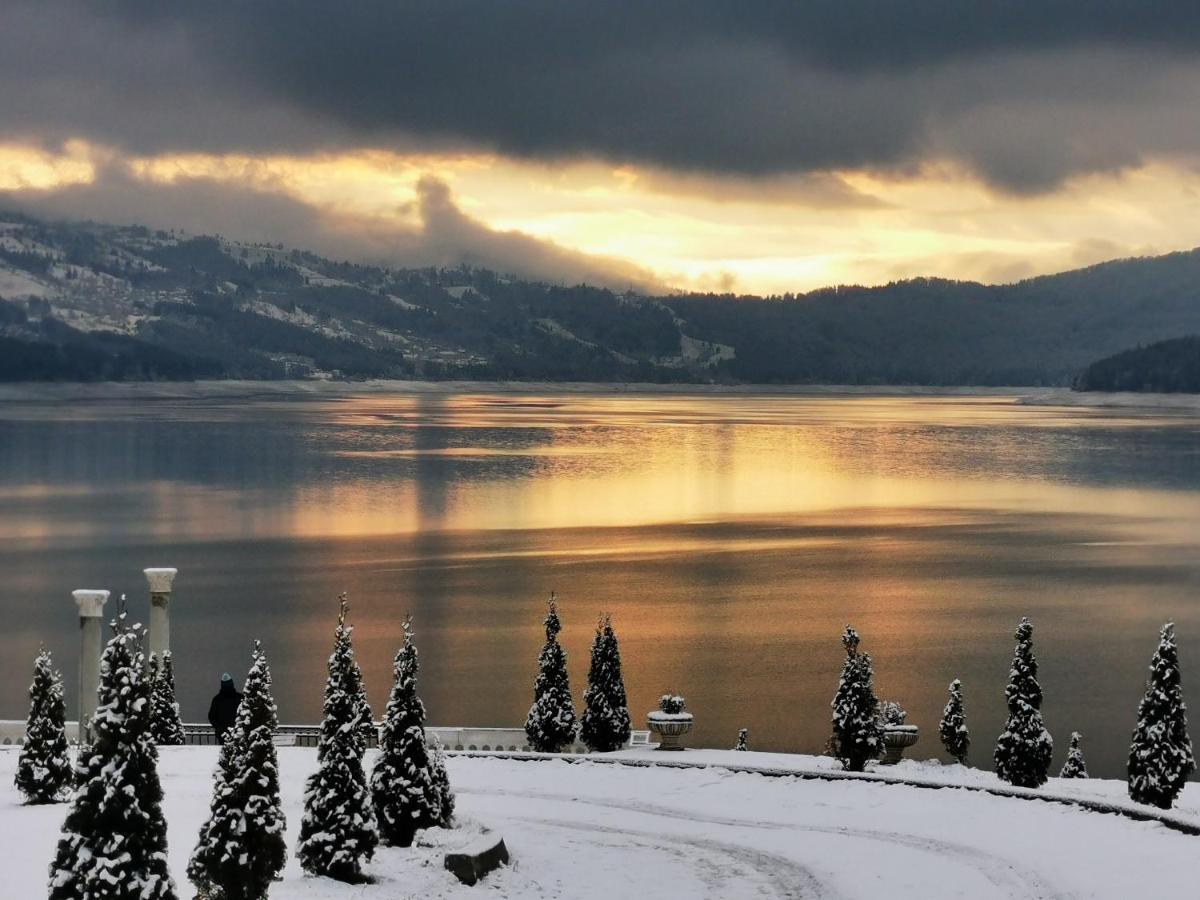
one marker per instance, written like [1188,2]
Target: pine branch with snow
[241,848]
[1024,749]
[168,728]
[338,831]
[952,729]
[114,841]
[1074,767]
[550,725]
[1161,758]
[44,765]
[857,734]
[402,785]
[605,724]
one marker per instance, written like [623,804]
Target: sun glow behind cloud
[696,231]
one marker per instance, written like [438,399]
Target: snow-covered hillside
[586,830]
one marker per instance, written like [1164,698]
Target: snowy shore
[583,830]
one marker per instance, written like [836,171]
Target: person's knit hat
[227,677]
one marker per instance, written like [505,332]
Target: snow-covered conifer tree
[338,832]
[856,730]
[605,725]
[953,727]
[1024,749]
[441,782]
[1160,758]
[551,722]
[114,842]
[168,729]
[241,848]
[743,741]
[44,764]
[1074,767]
[402,786]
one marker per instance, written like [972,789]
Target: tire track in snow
[1016,881]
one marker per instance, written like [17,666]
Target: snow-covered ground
[588,830]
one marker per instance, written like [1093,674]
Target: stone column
[160,608]
[91,644]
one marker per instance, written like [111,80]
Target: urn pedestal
[671,728]
[895,739]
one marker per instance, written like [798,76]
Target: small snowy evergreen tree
[168,729]
[743,741]
[1024,749]
[953,727]
[1160,758]
[1074,767]
[114,842]
[605,725]
[338,832]
[44,764]
[441,782]
[241,848]
[402,785]
[857,734]
[551,722]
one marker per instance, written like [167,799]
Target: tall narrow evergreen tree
[1024,749]
[338,831]
[402,786]
[857,734]
[1074,767]
[114,842]
[605,725]
[441,782]
[241,848]
[551,722]
[953,727]
[743,740]
[44,764]
[1160,758]
[168,729]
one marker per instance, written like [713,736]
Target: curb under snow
[1133,811]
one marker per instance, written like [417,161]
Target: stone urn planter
[896,734]
[671,722]
[895,739]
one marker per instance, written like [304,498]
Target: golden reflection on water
[731,536]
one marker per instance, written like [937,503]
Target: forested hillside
[90,302]
[1168,367]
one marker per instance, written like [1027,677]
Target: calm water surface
[731,536]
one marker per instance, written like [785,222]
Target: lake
[731,535]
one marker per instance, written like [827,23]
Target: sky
[760,147]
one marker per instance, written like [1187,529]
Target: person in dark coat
[223,709]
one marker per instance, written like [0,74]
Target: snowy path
[590,831]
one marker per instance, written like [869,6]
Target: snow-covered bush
[1024,749]
[44,765]
[114,841]
[891,713]
[857,734]
[605,724]
[1074,767]
[338,832]
[551,722]
[168,729]
[441,782]
[953,727]
[672,704]
[1160,758]
[241,848]
[743,740]
[402,787]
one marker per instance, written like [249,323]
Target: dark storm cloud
[1026,93]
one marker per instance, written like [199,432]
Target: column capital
[160,579]
[91,603]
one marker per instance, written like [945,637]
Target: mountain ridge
[91,301]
